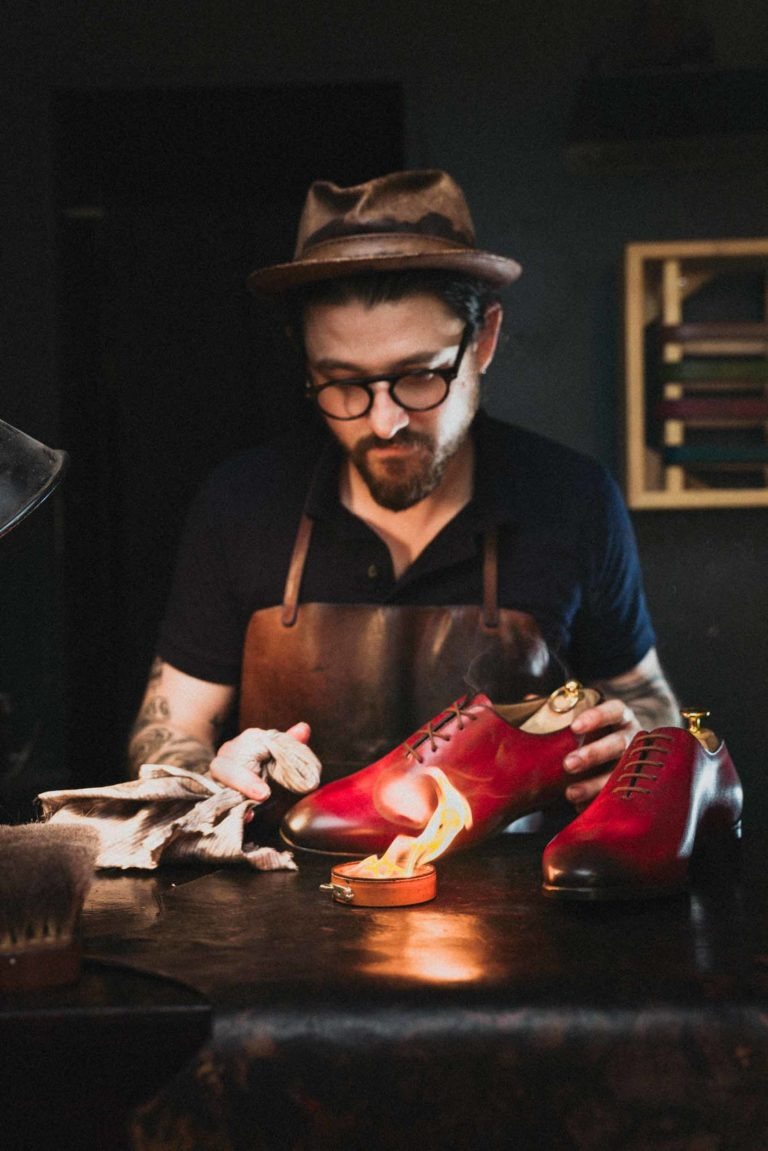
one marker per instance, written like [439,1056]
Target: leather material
[503,771]
[668,798]
[303,662]
[365,676]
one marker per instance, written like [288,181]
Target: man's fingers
[604,750]
[237,763]
[581,794]
[611,713]
[239,778]
[237,766]
[300,731]
[620,724]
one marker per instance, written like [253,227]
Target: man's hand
[606,749]
[639,699]
[238,766]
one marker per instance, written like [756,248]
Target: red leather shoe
[673,795]
[507,760]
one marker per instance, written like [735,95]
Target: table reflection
[424,944]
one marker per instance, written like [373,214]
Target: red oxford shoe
[673,795]
[506,760]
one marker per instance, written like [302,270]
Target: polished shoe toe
[674,795]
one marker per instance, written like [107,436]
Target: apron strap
[491,579]
[292,588]
[295,572]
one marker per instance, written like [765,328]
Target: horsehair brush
[45,874]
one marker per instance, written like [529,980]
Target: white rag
[170,814]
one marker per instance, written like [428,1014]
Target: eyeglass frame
[391,379]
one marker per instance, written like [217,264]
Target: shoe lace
[638,766]
[433,732]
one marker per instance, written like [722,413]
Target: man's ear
[488,337]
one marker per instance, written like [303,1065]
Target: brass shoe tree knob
[567,696]
[694,720]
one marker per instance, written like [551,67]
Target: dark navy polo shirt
[567,554]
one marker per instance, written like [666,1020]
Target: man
[364,567]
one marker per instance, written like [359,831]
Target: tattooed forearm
[180,721]
[157,744]
[649,696]
[154,710]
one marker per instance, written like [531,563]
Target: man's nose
[386,418]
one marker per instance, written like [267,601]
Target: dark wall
[488,94]
[167,365]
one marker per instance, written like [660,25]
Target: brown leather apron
[365,676]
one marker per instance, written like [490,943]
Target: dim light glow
[426,945]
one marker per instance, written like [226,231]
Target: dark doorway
[167,199]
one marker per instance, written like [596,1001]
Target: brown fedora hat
[404,220]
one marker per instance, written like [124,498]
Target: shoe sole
[328,854]
[716,858]
[606,895]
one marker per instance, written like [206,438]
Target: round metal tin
[364,891]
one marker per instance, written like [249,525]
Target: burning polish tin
[372,891]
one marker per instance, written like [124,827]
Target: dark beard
[403,483]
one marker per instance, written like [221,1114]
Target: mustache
[405,437]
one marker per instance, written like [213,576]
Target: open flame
[407,852]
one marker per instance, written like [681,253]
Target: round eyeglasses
[417,390]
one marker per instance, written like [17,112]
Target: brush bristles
[45,873]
